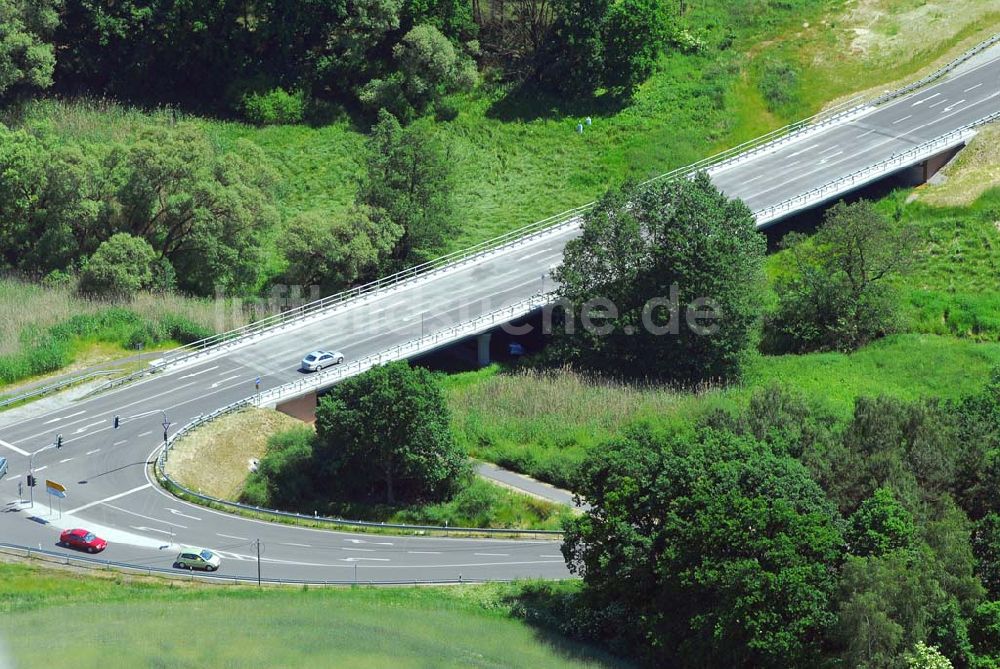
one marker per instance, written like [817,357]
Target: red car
[84,540]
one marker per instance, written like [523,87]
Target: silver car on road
[317,360]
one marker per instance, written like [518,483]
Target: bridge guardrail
[45,390]
[872,172]
[746,150]
[329,377]
[214,577]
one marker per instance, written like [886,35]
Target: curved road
[105,470]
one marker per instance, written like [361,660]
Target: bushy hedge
[275,107]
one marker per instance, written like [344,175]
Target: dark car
[84,540]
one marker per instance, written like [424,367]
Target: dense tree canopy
[201,210]
[837,295]
[679,268]
[408,185]
[711,552]
[27,57]
[385,435]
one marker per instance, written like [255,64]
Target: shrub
[275,107]
[120,267]
[183,330]
[778,84]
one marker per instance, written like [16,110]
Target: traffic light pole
[31,467]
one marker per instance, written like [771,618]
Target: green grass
[544,424]
[484,504]
[954,287]
[119,622]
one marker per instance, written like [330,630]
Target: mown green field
[53,618]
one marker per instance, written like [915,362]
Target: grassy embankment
[215,460]
[109,621]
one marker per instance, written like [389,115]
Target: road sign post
[57,490]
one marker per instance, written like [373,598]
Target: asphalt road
[105,470]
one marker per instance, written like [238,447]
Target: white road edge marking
[107,499]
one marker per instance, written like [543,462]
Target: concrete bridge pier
[483,342]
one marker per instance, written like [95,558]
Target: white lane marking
[119,443]
[492,554]
[88,426]
[792,155]
[38,469]
[830,156]
[188,376]
[66,460]
[900,120]
[836,148]
[56,420]
[939,102]
[13,448]
[143,528]
[550,556]
[424,552]
[182,515]
[972,88]
[155,520]
[228,378]
[370,559]
[292,544]
[230,536]
[864,134]
[146,434]
[374,543]
[920,102]
[96,450]
[108,499]
[147,399]
[950,107]
[366,550]
[536,253]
